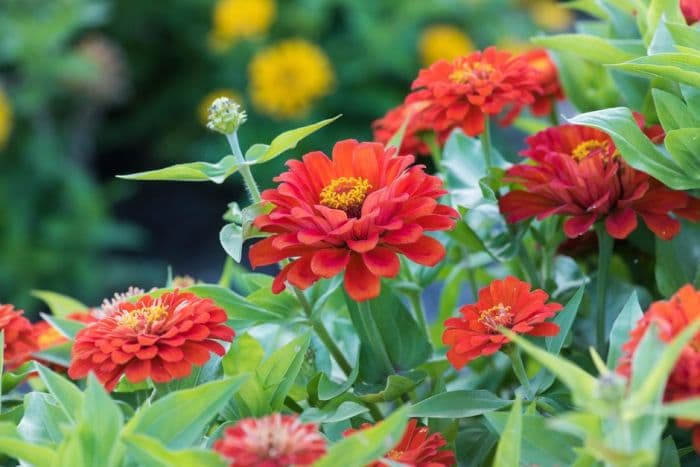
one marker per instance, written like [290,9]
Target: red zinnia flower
[19,337]
[417,448]
[272,441]
[508,303]
[691,10]
[548,79]
[579,173]
[355,213]
[387,126]
[671,318]
[461,94]
[159,338]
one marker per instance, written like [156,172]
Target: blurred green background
[90,89]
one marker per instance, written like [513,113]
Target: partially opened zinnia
[505,303]
[273,441]
[354,213]
[548,79]
[160,338]
[577,172]
[464,92]
[671,317]
[417,448]
[20,340]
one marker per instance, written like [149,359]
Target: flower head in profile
[548,78]
[691,10]
[160,338]
[355,212]
[387,126]
[670,318]
[5,118]
[234,20]
[577,172]
[273,441]
[507,303]
[464,92]
[287,78]
[443,42]
[417,448]
[20,340]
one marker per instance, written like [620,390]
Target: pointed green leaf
[458,404]
[367,445]
[149,452]
[344,411]
[680,67]
[60,305]
[279,370]
[565,319]
[593,48]
[684,146]
[508,449]
[12,445]
[67,327]
[672,111]
[66,393]
[191,172]
[688,409]
[99,435]
[620,332]
[285,141]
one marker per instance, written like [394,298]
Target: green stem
[226,273]
[528,266]
[374,337]
[322,332]
[553,115]
[605,250]
[417,305]
[292,404]
[486,142]
[244,168]
[430,140]
[519,369]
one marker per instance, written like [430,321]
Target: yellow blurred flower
[206,102]
[285,79]
[550,15]
[240,19]
[5,119]
[443,41]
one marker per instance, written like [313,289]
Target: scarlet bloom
[417,448]
[355,213]
[671,318]
[273,441]
[19,337]
[387,126]
[548,79]
[505,303]
[462,93]
[577,172]
[691,10]
[160,338]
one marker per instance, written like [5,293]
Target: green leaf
[565,319]
[684,35]
[149,452]
[395,387]
[688,409]
[231,239]
[344,411]
[672,111]
[677,259]
[244,355]
[278,372]
[12,445]
[624,323]
[60,305]
[180,418]
[328,389]
[668,9]
[458,404]
[66,393]
[684,146]
[99,434]
[581,384]
[42,419]
[650,388]
[508,449]
[669,453]
[67,327]
[593,48]
[233,236]
[58,354]
[541,445]
[680,67]
[635,147]
[191,172]
[367,445]
[284,142]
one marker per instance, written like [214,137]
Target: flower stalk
[605,251]
[519,369]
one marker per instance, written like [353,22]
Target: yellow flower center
[590,146]
[497,316]
[346,193]
[143,318]
[469,71]
[49,338]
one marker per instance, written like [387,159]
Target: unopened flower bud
[611,387]
[225,116]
